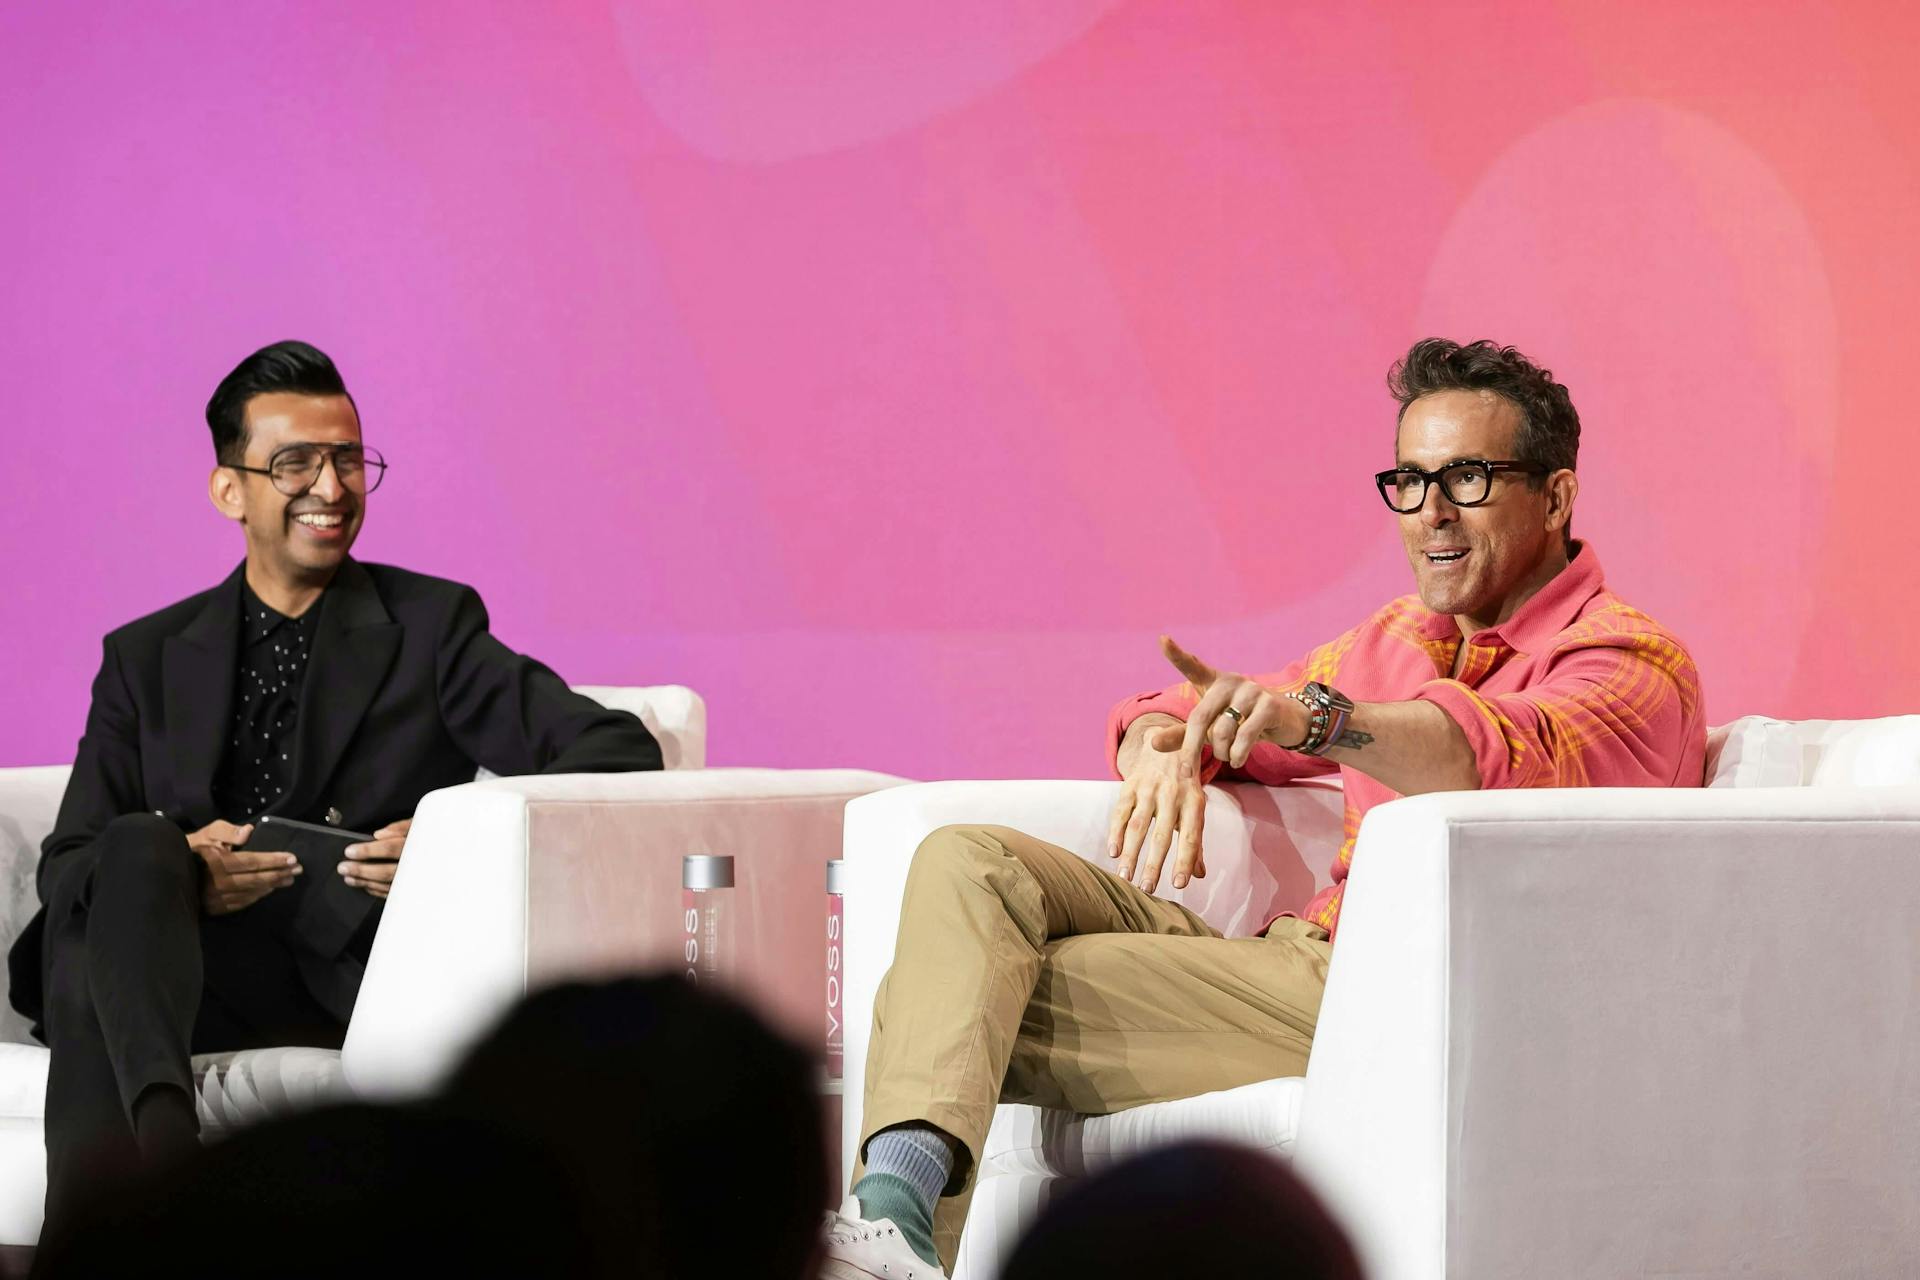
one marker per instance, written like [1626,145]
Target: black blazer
[406,691]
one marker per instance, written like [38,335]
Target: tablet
[323,910]
[317,847]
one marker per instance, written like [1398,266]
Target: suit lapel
[198,669]
[354,645]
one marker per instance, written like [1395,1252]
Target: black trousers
[137,978]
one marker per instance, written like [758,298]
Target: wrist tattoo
[1353,740]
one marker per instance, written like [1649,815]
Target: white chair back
[673,713]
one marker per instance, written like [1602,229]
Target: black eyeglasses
[295,468]
[1467,483]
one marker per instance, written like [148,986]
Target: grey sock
[917,1155]
[907,1169]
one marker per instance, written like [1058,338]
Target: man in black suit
[307,686]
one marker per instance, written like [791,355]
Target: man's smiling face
[1473,561]
[303,538]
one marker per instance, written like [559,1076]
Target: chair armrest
[1264,849]
[1608,1032]
[517,882]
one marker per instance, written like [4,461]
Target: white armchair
[507,882]
[1568,1033]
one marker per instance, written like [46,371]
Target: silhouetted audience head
[359,1191]
[680,1115]
[639,1127]
[1191,1209]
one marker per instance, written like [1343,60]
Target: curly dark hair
[1549,431]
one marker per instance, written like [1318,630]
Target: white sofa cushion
[1859,753]
[237,1089]
[1757,751]
[23,1082]
[1027,1139]
[1753,751]
[233,1089]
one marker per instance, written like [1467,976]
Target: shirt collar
[258,619]
[1551,609]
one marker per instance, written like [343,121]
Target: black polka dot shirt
[257,766]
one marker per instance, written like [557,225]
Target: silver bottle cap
[706,871]
[836,876]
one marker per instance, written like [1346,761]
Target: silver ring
[1235,713]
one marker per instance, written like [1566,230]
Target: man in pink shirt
[1027,974]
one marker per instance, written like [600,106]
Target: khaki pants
[1024,973]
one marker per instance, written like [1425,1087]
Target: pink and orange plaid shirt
[1576,689]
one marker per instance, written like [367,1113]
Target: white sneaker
[862,1250]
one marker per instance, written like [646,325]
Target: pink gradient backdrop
[893,373]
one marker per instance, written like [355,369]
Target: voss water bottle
[833,1089]
[706,901]
[836,916]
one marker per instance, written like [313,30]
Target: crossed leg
[1025,973]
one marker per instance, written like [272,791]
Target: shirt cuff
[1172,702]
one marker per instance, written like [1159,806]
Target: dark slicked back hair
[297,367]
[1549,431]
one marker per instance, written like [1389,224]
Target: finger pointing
[1198,673]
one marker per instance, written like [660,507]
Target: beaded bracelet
[1317,717]
[1327,715]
